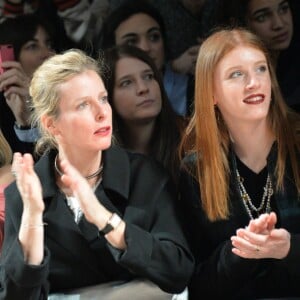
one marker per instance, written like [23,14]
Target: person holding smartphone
[31,39]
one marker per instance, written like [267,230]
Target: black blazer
[76,256]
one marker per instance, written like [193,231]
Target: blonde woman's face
[272,21]
[242,86]
[84,121]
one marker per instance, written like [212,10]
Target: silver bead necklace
[265,205]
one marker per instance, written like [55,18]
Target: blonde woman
[5,178]
[240,183]
[87,213]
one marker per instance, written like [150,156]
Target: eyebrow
[134,34]
[103,93]
[234,68]
[265,9]
[144,71]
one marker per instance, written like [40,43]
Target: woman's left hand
[260,239]
[89,204]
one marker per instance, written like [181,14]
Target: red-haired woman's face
[272,21]
[242,86]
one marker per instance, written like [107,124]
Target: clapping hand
[28,184]
[260,239]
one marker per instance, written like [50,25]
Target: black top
[220,274]
[76,256]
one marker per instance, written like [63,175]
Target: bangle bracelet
[35,225]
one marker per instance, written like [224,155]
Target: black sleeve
[219,272]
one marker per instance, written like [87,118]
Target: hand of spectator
[15,85]
[260,239]
[28,185]
[186,62]
[264,224]
[81,189]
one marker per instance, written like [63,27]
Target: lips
[254,99]
[103,131]
[281,37]
[146,102]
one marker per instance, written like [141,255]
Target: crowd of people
[150,149]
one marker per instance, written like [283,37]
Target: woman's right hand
[28,184]
[31,233]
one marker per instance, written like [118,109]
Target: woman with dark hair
[138,23]
[240,181]
[32,41]
[144,121]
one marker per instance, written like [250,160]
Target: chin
[105,146]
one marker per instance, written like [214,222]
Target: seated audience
[240,180]
[138,23]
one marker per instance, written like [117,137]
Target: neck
[139,136]
[252,144]
[86,162]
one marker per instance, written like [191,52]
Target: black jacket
[219,273]
[75,256]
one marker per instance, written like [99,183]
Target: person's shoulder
[139,162]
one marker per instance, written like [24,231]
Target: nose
[144,44]
[252,82]
[141,87]
[46,52]
[101,111]
[277,22]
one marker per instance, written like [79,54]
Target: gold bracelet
[35,225]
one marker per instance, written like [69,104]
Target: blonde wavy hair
[45,88]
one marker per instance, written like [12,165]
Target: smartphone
[6,54]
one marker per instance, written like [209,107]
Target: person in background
[272,21]
[5,179]
[187,23]
[138,23]
[240,179]
[76,22]
[31,39]
[144,121]
[88,213]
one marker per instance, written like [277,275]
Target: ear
[49,124]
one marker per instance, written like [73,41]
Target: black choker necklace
[60,173]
